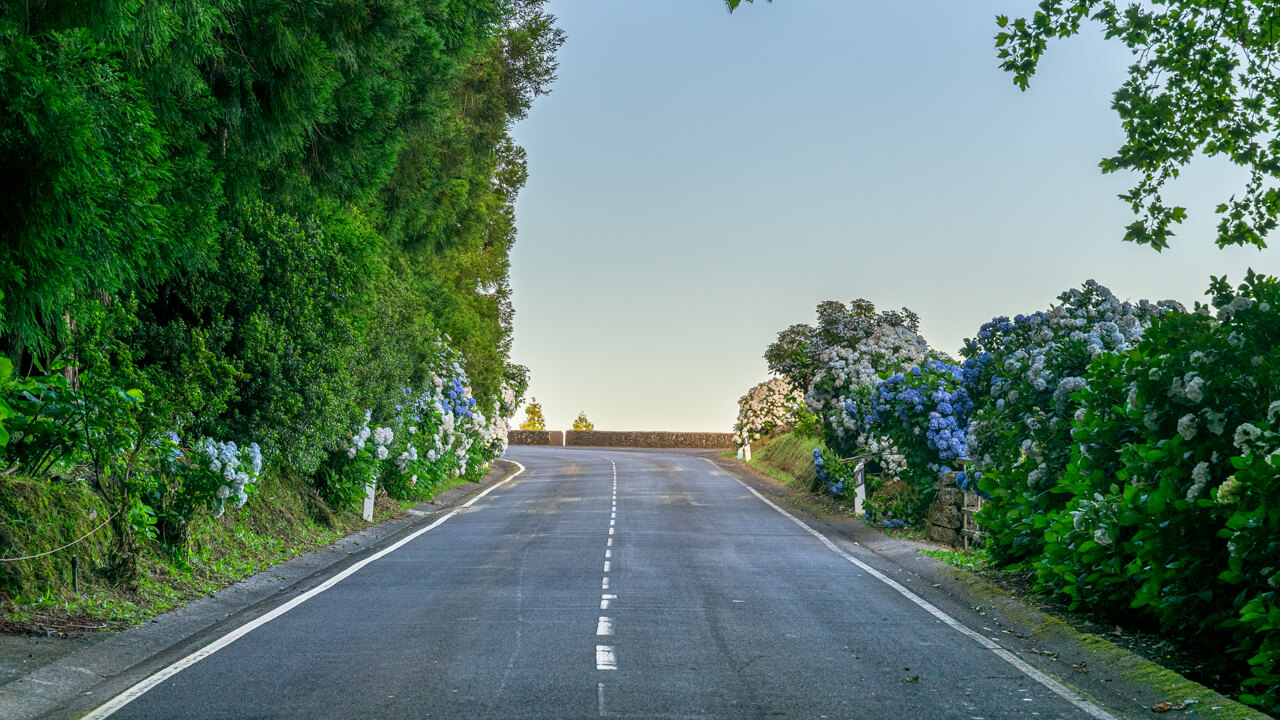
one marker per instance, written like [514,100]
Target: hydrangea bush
[924,412]
[1022,375]
[1173,489]
[432,435]
[841,390]
[769,405]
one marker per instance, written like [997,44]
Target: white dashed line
[610,543]
[604,584]
[605,658]
[608,553]
[604,601]
[606,566]
[604,626]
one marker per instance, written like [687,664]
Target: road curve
[609,583]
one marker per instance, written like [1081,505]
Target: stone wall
[951,516]
[649,439]
[535,437]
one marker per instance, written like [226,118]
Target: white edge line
[1056,687]
[149,683]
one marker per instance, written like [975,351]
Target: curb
[1123,681]
[53,686]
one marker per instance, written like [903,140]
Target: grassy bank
[284,519]
[788,458]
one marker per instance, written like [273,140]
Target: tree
[797,353]
[582,423]
[533,419]
[1204,80]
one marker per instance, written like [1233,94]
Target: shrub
[1174,493]
[1021,375]
[772,404]
[924,413]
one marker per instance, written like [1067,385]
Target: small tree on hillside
[533,419]
[582,423]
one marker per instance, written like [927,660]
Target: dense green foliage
[262,222]
[1203,81]
[582,423]
[1173,485]
[1022,373]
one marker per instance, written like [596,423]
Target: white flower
[1195,388]
[1199,479]
[382,452]
[383,436]
[1187,426]
[1272,410]
[224,492]
[1229,491]
[1245,436]
[1101,536]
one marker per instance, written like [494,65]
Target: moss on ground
[38,516]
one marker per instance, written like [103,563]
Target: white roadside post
[368,502]
[746,452]
[860,489]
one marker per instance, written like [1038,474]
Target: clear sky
[699,181]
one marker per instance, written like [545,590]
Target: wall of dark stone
[649,439]
[535,437]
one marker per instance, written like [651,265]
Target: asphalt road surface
[609,583]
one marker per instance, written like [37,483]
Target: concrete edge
[56,686]
[1110,658]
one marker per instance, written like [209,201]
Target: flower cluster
[841,390]
[771,404]
[432,435]
[1170,503]
[238,469]
[924,412]
[1022,374]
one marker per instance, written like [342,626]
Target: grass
[788,458]
[971,560]
[284,519]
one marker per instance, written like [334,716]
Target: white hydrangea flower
[1187,426]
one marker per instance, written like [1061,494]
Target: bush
[924,413]
[280,306]
[769,405]
[1172,502]
[1021,375]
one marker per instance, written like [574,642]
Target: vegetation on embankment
[288,518]
[787,457]
[251,263]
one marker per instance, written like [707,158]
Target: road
[610,583]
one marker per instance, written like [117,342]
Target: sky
[699,181]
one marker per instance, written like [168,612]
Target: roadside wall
[649,439]
[535,437]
